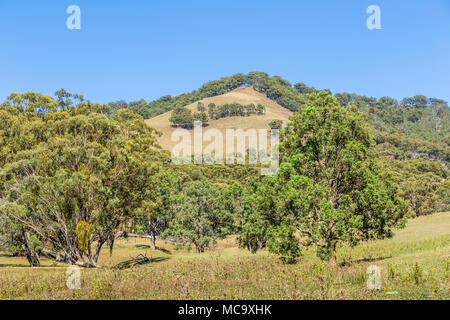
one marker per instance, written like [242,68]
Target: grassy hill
[414,265]
[243,96]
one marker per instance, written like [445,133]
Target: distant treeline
[276,88]
[233,110]
[185,118]
[167,103]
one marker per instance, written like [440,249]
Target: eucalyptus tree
[78,180]
[200,216]
[156,211]
[330,189]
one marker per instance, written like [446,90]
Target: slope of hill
[243,96]
[412,136]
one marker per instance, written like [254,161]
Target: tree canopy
[330,188]
[71,165]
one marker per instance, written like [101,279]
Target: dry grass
[243,96]
[414,265]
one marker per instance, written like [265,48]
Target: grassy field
[414,265]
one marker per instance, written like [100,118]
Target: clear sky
[145,49]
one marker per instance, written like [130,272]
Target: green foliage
[182,117]
[324,253]
[235,110]
[422,184]
[442,197]
[212,111]
[83,232]
[74,173]
[417,128]
[282,242]
[156,212]
[201,107]
[200,217]
[257,213]
[279,90]
[274,87]
[167,103]
[202,117]
[34,243]
[71,163]
[276,124]
[329,187]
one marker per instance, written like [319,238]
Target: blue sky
[145,49]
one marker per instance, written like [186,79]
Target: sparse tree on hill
[182,117]
[201,107]
[212,111]
[260,109]
[276,124]
[202,117]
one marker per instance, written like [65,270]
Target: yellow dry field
[243,96]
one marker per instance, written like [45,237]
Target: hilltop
[243,96]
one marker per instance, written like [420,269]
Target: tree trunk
[153,240]
[94,259]
[33,258]
[333,261]
[200,249]
[66,257]
[71,256]
[59,257]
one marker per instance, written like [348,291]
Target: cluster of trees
[400,147]
[413,137]
[73,176]
[423,184]
[276,88]
[185,118]
[168,103]
[69,175]
[234,109]
[276,124]
[280,90]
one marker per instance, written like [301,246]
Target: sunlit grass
[414,265]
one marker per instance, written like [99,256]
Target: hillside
[243,96]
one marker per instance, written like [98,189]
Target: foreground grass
[414,265]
